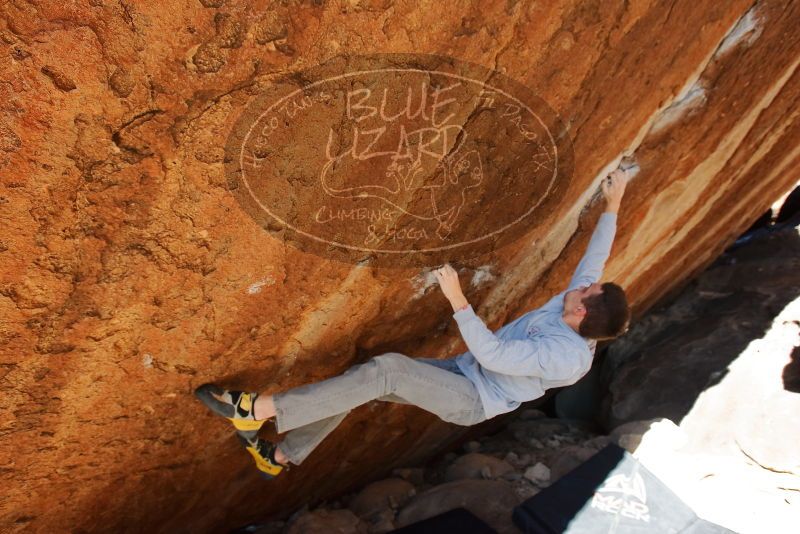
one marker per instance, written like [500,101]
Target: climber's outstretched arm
[590,268]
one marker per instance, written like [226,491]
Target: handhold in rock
[630,166]
[59,79]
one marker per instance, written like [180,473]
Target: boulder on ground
[535,443]
[532,413]
[390,493]
[596,443]
[472,446]
[538,474]
[518,461]
[569,458]
[490,500]
[328,522]
[415,475]
[653,434]
[541,429]
[477,465]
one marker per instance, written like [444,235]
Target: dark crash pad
[609,493]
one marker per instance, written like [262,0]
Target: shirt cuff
[464,314]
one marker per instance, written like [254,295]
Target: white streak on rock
[481,275]
[746,30]
[692,94]
[694,98]
[256,287]
[422,282]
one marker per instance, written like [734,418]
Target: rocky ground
[488,477]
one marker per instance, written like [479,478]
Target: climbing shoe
[263,453]
[237,406]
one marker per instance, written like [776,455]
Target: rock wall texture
[130,274]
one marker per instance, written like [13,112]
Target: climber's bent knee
[391,360]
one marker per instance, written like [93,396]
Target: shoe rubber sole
[247,428]
[265,467]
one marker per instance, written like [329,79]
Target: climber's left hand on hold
[448,281]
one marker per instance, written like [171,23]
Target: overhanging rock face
[131,274]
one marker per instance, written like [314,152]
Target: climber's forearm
[458,301]
[612,207]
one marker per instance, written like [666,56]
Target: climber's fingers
[613,185]
[445,272]
[447,277]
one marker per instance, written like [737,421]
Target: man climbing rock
[551,346]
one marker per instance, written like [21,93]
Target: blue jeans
[312,411]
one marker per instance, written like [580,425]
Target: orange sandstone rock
[130,274]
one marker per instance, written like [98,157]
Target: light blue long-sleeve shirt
[538,350]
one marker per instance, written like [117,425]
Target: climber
[551,346]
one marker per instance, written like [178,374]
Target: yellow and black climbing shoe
[263,453]
[237,406]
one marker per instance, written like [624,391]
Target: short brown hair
[607,314]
